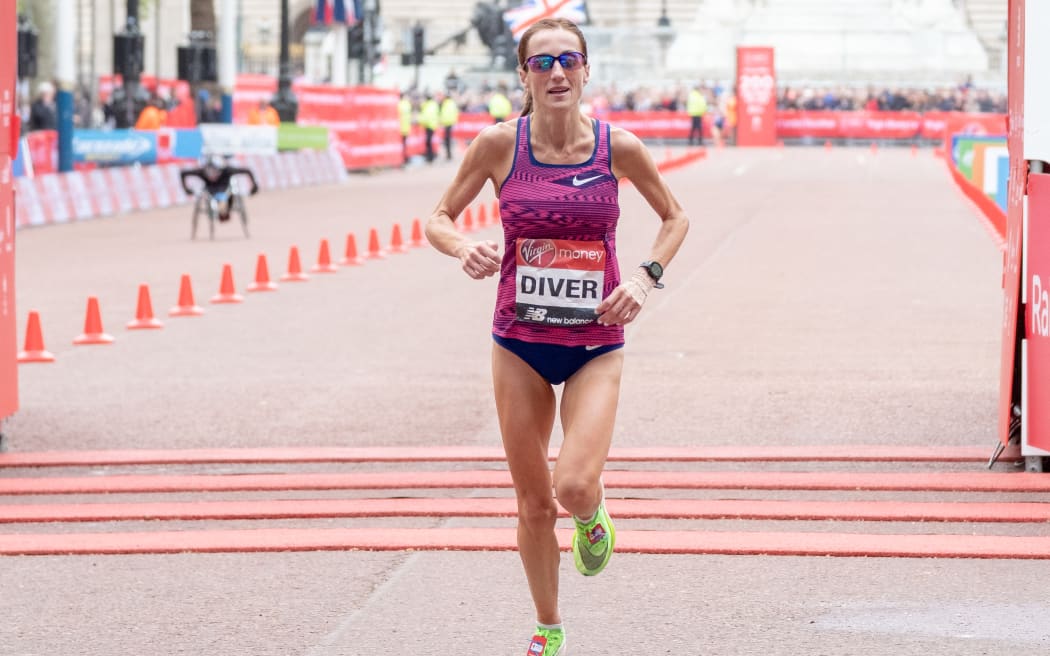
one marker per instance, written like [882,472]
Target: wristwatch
[655,271]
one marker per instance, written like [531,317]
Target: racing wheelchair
[220,195]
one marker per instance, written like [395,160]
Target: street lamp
[664,34]
[130,98]
[284,102]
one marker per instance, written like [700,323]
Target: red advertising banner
[1037,312]
[8,320]
[756,85]
[1014,217]
[363,122]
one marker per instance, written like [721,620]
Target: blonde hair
[545,24]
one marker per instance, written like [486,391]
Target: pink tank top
[559,260]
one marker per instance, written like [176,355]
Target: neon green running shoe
[593,542]
[547,642]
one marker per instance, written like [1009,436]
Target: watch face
[655,270]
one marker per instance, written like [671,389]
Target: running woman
[561,305]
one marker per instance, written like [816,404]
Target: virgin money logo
[537,252]
[756,89]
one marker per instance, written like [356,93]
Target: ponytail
[526,107]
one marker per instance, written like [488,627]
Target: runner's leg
[526,405]
[588,413]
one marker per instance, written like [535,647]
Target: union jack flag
[327,12]
[529,12]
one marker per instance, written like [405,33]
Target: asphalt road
[842,298]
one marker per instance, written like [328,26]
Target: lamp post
[129,98]
[664,34]
[284,102]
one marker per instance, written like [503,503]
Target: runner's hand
[480,259]
[622,306]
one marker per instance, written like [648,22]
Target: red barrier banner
[756,85]
[8,319]
[1037,312]
[1014,217]
[971,124]
[363,122]
[42,150]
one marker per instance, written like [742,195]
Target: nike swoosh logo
[591,348]
[576,182]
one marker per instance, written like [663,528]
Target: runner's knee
[577,492]
[537,513]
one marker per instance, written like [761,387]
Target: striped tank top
[559,260]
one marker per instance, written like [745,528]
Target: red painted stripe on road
[830,453]
[982,481]
[504,539]
[507,507]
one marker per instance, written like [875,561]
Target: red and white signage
[8,320]
[1036,400]
[1014,219]
[756,86]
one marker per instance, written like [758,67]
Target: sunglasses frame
[570,55]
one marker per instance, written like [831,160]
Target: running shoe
[593,541]
[547,642]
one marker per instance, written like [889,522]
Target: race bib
[559,282]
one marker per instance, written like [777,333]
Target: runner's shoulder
[497,137]
[625,142]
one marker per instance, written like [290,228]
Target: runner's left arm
[633,161]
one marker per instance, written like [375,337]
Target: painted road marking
[830,453]
[981,481]
[507,507]
[505,539]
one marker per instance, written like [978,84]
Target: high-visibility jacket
[499,106]
[428,114]
[151,118]
[449,112]
[404,112]
[267,116]
[696,104]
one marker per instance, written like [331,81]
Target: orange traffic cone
[295,269]
[144,318]
[417,234]
[187,307]
[483,220]
[874,147]
[914,150]
[93,333]
[262,276]
[351,258]
[468,221]
[324,260]
[495,211]
[827,145]
[374,252]
[227,293]
[34,350]
[397,244]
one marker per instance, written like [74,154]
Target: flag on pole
[529,12]
[327,12]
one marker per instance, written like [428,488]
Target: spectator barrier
[64,197]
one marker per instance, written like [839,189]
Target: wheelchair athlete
[219,196]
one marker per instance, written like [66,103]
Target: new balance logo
[578,182]
[535,314]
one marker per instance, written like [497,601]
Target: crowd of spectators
[961,97]
[40,113]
